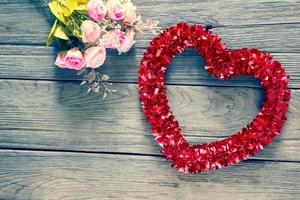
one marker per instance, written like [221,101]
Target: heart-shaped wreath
[223,64]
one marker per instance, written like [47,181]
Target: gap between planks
[135,83]
[20,150]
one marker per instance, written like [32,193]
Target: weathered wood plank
[32,62]
[50,115]
[48,175]
[225,13]
[273,36]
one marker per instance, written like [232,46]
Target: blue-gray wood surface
[57,142]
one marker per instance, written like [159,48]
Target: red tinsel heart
[223,64]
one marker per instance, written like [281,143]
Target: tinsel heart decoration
[223,64]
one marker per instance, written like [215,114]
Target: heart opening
[209,113]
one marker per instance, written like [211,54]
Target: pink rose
[115,10]
[72,60]
[96,10]
[95,56]
[90,31]
[130,14]
[60,60]
[113,39]
[119,40]
[127,43]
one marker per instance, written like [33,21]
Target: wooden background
[57,142]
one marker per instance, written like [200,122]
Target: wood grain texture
[232,12]
[44,175]
[218,12]
[272,38]
[256,28]
[187,68]
[57,142]
[61,116]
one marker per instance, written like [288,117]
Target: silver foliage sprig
[149,25]
[96,82]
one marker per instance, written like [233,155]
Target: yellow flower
[57,31]
[81,5]
[64,8]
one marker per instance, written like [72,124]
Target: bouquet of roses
[84,29]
